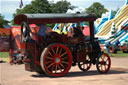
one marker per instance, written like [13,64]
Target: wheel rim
[85,66]
[57,60]
[103,63]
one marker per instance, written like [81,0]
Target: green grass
[4,54]
[118,54]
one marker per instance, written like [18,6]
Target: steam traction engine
[54,54]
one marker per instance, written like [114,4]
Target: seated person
[75,31]
[43,31]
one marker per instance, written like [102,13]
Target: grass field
[4,54]
[118,54]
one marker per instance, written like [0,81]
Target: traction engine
[54,54]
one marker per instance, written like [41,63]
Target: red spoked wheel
[56,60]
[85,66]
[103,63]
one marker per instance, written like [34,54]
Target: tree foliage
[3,21]
[97,8]
[61,7]
[43,6]
[36,6]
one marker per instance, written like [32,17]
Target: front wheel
[56,60]
[85,66]
[103,63]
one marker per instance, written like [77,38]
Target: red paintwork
[104,63]
[54,65]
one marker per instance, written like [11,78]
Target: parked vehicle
[54,54]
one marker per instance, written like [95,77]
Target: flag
[21,4]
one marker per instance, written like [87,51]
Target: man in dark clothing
[77,32]
[117,43]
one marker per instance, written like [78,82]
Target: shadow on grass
[89,73]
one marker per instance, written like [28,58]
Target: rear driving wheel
[103,63]
[85,66]
[56,60]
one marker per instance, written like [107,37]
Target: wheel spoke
[56,69]
[64,62]
[50,53]
[64,58]
[49,58]
[63,54]
[57,50]
[53,68]
[60,69]
[60,51]
[101,68]
[102,58]
[106,60]
[48,62]
[50,65]
[53,50]
[62,65]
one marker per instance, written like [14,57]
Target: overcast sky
[8,7]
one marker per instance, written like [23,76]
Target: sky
[8,7]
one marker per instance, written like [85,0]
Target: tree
[61,7]
[43,6]
[115,11]
[97,8]
[36,6]
[3,21]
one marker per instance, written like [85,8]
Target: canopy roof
[54,18]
